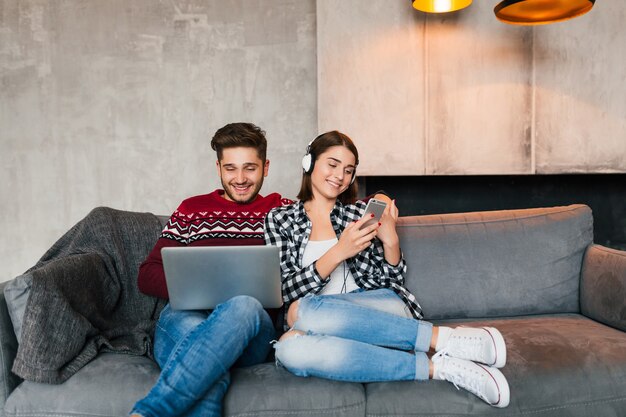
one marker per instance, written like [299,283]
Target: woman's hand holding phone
[387,231]
[355,238]
[388,234]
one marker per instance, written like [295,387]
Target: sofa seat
[110,385]
[557,365]
[107,386]
[267,390]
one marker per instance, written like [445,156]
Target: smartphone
[375,207]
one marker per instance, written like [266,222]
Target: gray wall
[113,102]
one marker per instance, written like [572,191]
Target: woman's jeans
[362,336]
[195,349]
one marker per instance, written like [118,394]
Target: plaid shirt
[289,228]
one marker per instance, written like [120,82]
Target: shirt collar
[301,216]
[338,211]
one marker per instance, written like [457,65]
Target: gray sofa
[558,299]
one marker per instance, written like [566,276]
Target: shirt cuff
[315,274]
[397,269]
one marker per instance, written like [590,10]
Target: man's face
[241,172]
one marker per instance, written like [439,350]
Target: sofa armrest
[603,286]
[8,349]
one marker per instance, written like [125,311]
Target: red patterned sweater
[206,220]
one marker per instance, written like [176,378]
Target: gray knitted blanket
[84,297]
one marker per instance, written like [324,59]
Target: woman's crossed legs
[367,336]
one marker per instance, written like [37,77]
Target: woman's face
[332,172]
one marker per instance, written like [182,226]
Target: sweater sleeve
[151,278]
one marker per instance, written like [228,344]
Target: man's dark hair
[240,134]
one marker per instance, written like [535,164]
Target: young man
[195,349]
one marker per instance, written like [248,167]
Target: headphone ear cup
[353,177]
[307,164]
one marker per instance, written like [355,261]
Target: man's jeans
[195,350]
[362,336]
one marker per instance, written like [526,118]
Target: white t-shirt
[341,279]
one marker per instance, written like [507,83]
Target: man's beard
[238,199]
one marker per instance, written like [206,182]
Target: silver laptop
[201,277]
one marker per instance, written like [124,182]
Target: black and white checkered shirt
[289,228]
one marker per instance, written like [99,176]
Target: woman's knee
[290,334]
[292,313]
[292,352]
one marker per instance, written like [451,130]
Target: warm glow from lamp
[440,6]
[540,12]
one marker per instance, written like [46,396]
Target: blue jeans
[362,336]
[195,350]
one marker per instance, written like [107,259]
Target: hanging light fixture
[540,12]
[440,6]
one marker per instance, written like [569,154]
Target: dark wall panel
[604,193]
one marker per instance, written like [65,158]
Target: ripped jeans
[362,336]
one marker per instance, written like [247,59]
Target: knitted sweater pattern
[207,220]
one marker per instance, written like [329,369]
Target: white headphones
[308,162]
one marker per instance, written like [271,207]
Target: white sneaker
[479,344]
[486,382]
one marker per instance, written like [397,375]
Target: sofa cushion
[267,390]
[603,286]
[107,386]
[496,264]
[16,294]
[559,365]
[8,349]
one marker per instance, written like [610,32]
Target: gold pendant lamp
[440,6]
[540,12]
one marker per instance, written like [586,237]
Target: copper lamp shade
[540,12]
[440,6]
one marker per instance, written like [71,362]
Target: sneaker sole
[498,342]
[504,396]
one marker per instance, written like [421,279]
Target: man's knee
[292,313]
[244,303]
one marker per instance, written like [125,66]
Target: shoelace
[440,354]
[465,347]
[473,385]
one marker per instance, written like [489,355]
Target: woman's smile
[334,183]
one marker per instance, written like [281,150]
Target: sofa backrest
[163,219]
[496,263]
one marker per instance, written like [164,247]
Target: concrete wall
[462,93]
[114,102]
[580,89]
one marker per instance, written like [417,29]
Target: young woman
[350,317]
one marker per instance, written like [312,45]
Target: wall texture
[463,93]
[114,102]
[580,93]
[370,69]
